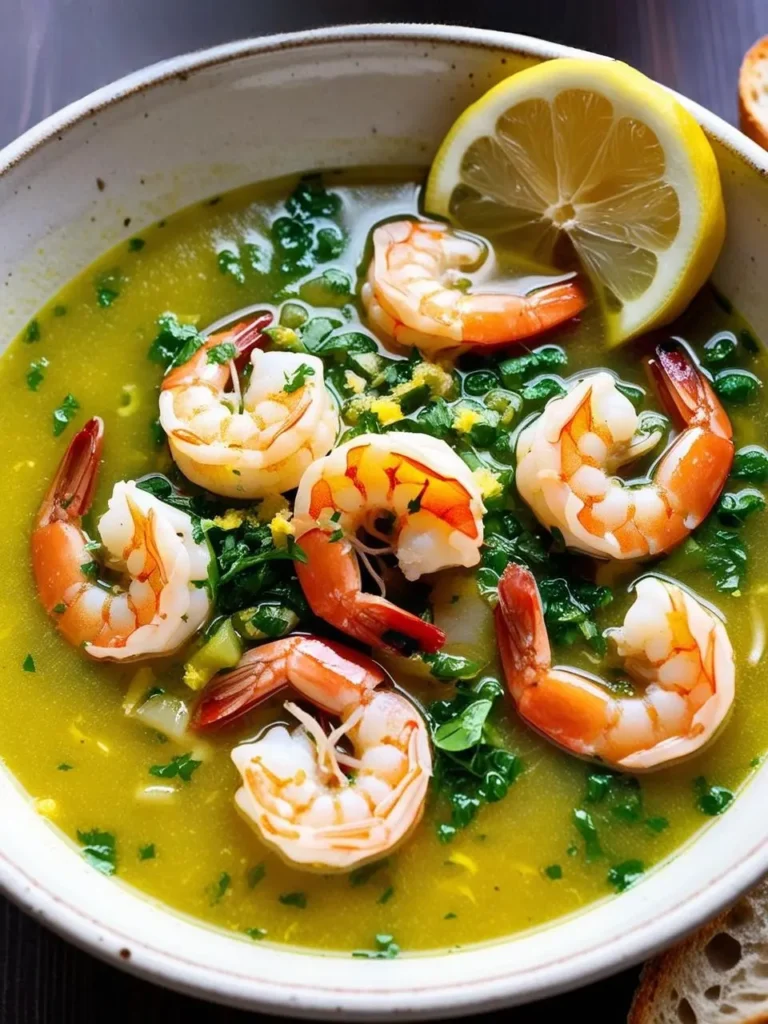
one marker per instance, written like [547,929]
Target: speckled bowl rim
[440,997]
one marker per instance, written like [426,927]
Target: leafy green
[221,353]
[183,766]
[554,872]
[293,899]
[539,391]
[722,553]
[218,888]
[32,331]
[386,896]
[737,386]
[329,244]
[385,949]
[587,829]
[64,414]
[311,199]
[751,463]
[657,824]
[365,873]
[298,378]
[99,850]
[175,343]
[515,371]
[466,729]
[480,382]
[28,665]
[447,667]
[569,609]
[719,350]
[711,800]
[255,933]
[147,852]
[229,263]
[136,244]
[108,288]
[64,767]
[36,373]
[256,874]
[622,876]
[468,774]
[734,509]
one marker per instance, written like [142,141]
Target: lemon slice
[594,152]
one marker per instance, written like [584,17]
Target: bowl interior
[157,141]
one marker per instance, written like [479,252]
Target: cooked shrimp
[674,649]
[294,791]
[566,457]
[413,294]
[436,510]
[144,539]
[256,444]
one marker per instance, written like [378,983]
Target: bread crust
[753,93]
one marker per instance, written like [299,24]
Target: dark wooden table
[53,51]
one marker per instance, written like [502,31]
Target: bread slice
[718,976]
[753,93]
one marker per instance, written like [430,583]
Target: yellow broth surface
[64,735]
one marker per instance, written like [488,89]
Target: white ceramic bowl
[198,125]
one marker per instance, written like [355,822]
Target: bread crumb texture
[719,976]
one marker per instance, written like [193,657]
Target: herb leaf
[466,729]
[183,766]
[293,899]
[175,343]
[587,830]
[99,850]
[711,800]
[36,373]
[221,353]
[298,378]
[64,414]
[622,876]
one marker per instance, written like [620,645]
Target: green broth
[522,861]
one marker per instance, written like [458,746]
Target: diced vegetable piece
[265,622]
[164,713]
[222,650]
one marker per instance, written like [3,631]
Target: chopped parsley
[626,874]
[515,371]
[99,850]
[108,288]
[64,767]
[90,570]
[386,896]
[448,667]
[32,332]
[183,766]
[147,852]
[36,373]
[737,386]
[363,874]
[221,353]
[298,378]
[136,244]
[28,664]
[657,824]
[553,872]
[174,343]
[59,608]
[64,414]
[293,899]
[751,463]
[217,889]
[59,310]
[255,933]
[587,829]
[711,800]
[256,875]
[229,263]
[385,948]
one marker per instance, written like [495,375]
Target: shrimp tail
[379,623]
[250,336]
[520,628]
[71,492]
[555,304]
[686,392]
[259,673]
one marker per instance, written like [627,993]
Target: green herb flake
[229,263]
[553,872]
[221,353]
[59,609]
[734,509]
[737,386]
[32,331]
[99,850]
[64,414]
[449,667]
[298,378]
[147,852]
[64,767]
[217,889]
[293,899]
[136,244]
[657,825]
[36,373]
[386,896]
[719,350]
[183,766]
[28,664]
[108,288]
[466,729]
[711,800]
[585,825]
[59,310]
[255,933]
[363,874]
[598,786]
[385,948]
[256,874]
[751,463]
[626,874]
[175,343]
